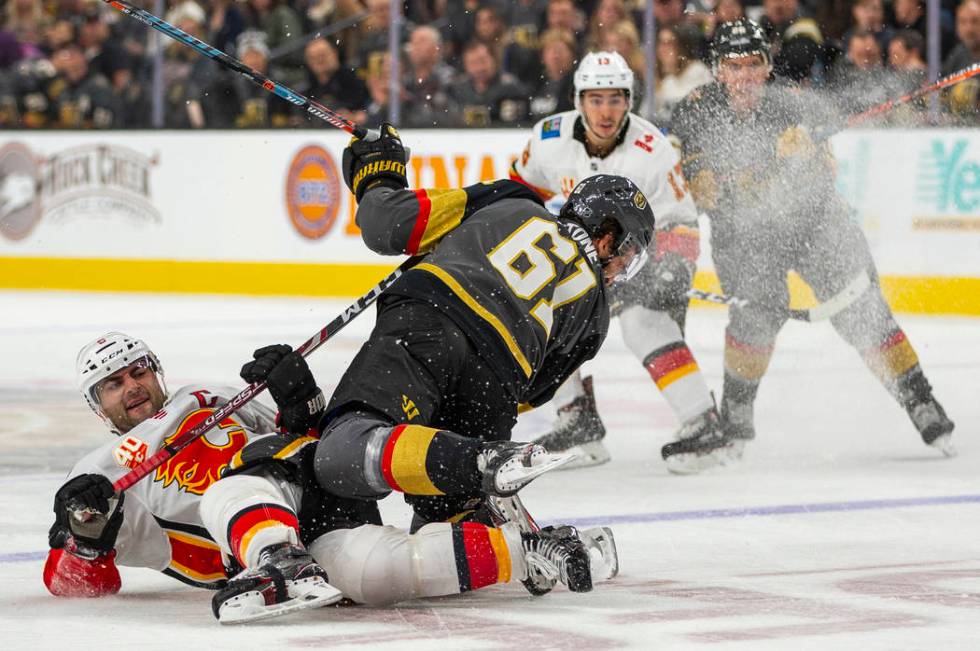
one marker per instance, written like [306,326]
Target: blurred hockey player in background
[769,191]
[508,301]
[181,520]
[602,136]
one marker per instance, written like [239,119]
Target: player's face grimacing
[130,395]
[620,265]
[744,75]
[604,111]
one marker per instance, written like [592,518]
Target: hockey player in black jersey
[507,301]
[768,188]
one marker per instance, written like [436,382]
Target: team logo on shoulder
[639,201]
[313,192]
[200,464]
[551,128]
[131,452]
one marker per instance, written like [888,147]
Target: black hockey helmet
[605,197]
[739,38]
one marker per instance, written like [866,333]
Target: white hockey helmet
[102,357]
[600,70]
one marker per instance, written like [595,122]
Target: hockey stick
[245,395]
[945,82]
[312,107]
[822,312]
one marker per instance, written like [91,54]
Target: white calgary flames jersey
[554,161]
[161,526]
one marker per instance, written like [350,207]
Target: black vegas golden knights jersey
[524,286]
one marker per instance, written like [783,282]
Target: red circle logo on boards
[313,192]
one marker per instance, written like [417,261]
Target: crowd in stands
[464,63]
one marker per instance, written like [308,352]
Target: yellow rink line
[909,294]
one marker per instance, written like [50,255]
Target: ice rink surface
[839,529]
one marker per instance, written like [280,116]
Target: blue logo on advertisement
[948,181]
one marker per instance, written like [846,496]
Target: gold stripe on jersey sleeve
[482,312]
[448,207]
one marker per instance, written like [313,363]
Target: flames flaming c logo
[200,464]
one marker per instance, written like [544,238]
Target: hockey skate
[286,580]
[558,554]
[578,429]
[738,425]
[700,445]
[934,426]
[508,466]
[599,542]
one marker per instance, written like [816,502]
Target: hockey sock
[485,555]
[257,526]
[676,373]
[896,365]
[422,460]
[745,361]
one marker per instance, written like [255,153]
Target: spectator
[427,81]
[668,13]
[803,58]
[679,70]
[564,15]
[225,23]
[378,85]
[513,58]
[607,14]
[911,14]
[906,51]
[524,18]
[869,16]
[486,96]
[24,19]
[967,50]
[79,98]
[283,28]
[243,104]
[860,79]
[459,27]
[963,98]
[332,85]
[372,41]
[187,76]
[777,16]
[554,93]
[104,56]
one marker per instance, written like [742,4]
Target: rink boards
[267,213]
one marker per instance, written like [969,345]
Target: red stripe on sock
[687,245]
[747,348]
[893,340]
[421,222]
[244,521]
[479,555]
[387,455]
[670,361]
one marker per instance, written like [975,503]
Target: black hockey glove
[671,277]
[291,383]
[372,163]
[87,510]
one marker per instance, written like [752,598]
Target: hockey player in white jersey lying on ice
[157,523]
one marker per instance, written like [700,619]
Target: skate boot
[508,466]
[934,426]
[579,429]
[557,554]
[738,425]
[287,579]
[700,445]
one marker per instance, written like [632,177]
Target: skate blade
[689,463]
[602,552]
[945,445]
[589,454]
[251,607]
